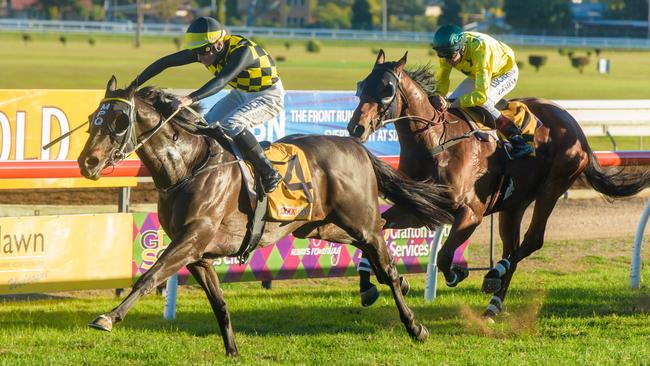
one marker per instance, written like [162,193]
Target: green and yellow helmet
[448,40]
[202,32]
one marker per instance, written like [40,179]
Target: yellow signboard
[59,253]
[29,119]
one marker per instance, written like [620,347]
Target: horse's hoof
[422,333]
[369,296]
[102,322]
[461,272]
[404,285]
[232,352]
[488,319]
[491,285]
[489,316]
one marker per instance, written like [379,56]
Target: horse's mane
[161,101]
[423,76]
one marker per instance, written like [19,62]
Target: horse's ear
[401,62]
[380,57]
[112,85]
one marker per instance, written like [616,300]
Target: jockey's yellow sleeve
[484,59]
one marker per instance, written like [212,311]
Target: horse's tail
[615,182]
[429,202]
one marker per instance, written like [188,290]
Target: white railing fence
[174,29]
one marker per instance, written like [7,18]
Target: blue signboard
[320,113]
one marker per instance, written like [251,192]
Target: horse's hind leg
[386,271]
[509,230]
[534,238]
[368,290]
[204,274]
[180,252]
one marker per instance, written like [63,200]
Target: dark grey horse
[204,210]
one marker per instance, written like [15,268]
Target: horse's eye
[121,124]
[386,91]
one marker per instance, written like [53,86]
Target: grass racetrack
[569,303]
[561,311]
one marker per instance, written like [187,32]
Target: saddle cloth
[293,198]
[519,114]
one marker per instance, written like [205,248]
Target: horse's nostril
[358,131]
[91,162]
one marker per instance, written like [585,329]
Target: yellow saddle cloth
[520,115]
[293,198]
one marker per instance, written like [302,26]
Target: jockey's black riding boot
[253,153]
[519,146]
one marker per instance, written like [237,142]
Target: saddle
[293,198]
[480,120]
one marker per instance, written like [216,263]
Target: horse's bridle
[389,105]
[438,119]
[128,136]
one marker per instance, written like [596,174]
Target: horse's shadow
[200,322]
[441,319]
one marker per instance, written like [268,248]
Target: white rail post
[635,265]
[432,267]
[170,299]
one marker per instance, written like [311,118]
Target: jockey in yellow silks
[491,73]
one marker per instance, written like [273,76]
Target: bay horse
[436,145]
[204,207]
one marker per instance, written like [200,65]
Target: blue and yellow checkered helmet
[202,32]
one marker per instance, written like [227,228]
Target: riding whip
[56,140]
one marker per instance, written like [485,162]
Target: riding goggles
[203,50]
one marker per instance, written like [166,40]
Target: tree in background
[361,17]
[221,11]
[628,9]
[479,6]
[537,61]
[408,9]
[232,15]
[548,15]
[332,15]
[59,9]
[166,9]
[451,13]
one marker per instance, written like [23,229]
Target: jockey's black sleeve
[239,60]
[179,58]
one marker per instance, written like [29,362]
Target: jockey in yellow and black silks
[257,94]
[491,73]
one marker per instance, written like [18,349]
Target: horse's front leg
[465,222]
[186,247]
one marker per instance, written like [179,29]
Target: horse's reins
[427,122]
[149,134]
